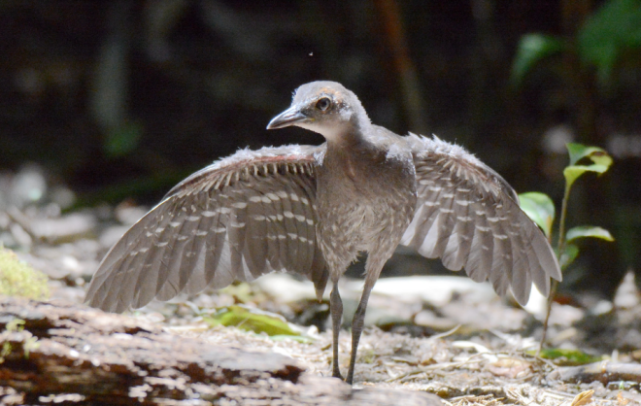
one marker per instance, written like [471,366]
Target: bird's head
[324,107]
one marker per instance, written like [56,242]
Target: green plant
[602,41]
[540,208]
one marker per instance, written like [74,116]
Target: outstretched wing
[469,216]
[242,217]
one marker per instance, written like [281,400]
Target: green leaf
[251,319]
[572,173]
[569,254]
[608,33]
[588,231]
[533,48]
[598,156]
[563,356]
[540,208]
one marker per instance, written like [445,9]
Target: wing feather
[479,261]
[240,218]
[256,242]
[469,216]
[214,243]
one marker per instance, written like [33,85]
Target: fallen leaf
[582,398]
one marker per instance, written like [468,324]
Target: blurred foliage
[608,34]
[603,39]
[17,278]
[101,93]
[531,50]
[123,140]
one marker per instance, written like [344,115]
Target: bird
[311,210]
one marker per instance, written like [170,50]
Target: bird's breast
[362,203]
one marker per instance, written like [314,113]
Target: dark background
[122,99]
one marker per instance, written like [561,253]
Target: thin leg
[359,319]
[336,308]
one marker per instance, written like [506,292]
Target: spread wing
[242,217]
[469,216]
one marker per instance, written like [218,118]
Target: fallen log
[71,354]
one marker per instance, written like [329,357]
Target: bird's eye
[323,104]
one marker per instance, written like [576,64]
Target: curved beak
[291,116]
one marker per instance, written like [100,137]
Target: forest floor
[442,335]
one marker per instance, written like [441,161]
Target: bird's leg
[359,317]
[336,308]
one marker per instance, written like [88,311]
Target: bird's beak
[291,116]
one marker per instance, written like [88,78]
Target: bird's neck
[350,135]
[352,150]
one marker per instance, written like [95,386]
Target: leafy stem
[540,208]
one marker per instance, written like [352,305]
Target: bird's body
[311,210]
[365,201]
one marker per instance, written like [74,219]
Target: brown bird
[311,209]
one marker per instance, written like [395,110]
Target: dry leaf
[583,398]
[622,401]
